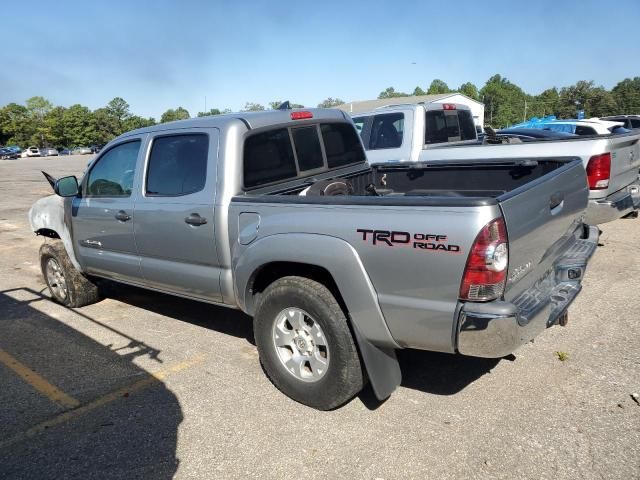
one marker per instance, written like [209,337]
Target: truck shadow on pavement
[220,319]
[429,372]
[74,408]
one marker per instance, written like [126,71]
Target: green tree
[211,112]
[504,102]
[118,111]
[16,126]
[418,92]
[37,110]
[627,95]
[470,90]
[277,103]
[595,101]
[391,93]
[438,86]
[55,128]
[78,125]
[544,104]
[134,122]
[330,102]
[173,115]
[252,107]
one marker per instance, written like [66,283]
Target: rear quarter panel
[417,289]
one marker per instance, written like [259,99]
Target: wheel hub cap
[300,344]
[55,279]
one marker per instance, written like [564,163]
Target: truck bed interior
[470,180]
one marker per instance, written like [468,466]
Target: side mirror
[66,186]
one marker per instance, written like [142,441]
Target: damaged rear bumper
[496,329]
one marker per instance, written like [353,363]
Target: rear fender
[48,215]
[377,346]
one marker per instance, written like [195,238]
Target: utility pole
[524,118]
[205,104]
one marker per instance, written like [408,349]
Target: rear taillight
[599,171]
[448,106]
[486,271]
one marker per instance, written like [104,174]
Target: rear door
[174,224]
[541,218]
[625,160]
[102,216]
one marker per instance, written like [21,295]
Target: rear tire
[66,284]
[305,345]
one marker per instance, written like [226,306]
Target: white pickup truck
[445,133]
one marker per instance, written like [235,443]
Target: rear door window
[177,165]
[268,157]
[359,124]
[341,144]
[308,148]
[387,131]
[442,126]
[635,123]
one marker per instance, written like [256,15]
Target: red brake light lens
[486,271]
[599,171]
[301,115]
[448,106]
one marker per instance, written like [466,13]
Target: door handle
[556,201]
[195,220]
[123,216]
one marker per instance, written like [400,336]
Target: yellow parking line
[38,382]
[98,402]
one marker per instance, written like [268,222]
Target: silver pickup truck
[445,132]
[278,214]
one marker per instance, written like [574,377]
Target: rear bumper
[614,206]
[496,329]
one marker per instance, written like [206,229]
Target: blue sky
[161,54]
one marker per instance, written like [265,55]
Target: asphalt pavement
[144,385]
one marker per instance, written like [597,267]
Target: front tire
[305,345]
[67,285]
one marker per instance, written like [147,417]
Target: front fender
[49,213]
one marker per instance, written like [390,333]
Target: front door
[103,214]
[174,224]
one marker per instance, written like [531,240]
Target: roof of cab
[251,119]
[410,106]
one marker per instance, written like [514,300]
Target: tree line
[39,122]
[506,103]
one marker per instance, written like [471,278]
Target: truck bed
[455,183]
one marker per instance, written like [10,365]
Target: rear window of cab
[289,152]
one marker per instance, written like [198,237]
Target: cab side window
[177,165]
[112,175]
[387,131]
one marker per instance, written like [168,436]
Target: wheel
[305,345]
[67,285]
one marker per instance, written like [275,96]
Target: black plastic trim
[374,201]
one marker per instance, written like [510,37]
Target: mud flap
[381,364]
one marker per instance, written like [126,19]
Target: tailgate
[625,161]
[541,218]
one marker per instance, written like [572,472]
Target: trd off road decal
[420,241]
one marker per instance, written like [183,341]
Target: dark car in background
[7,153]
[64,151]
